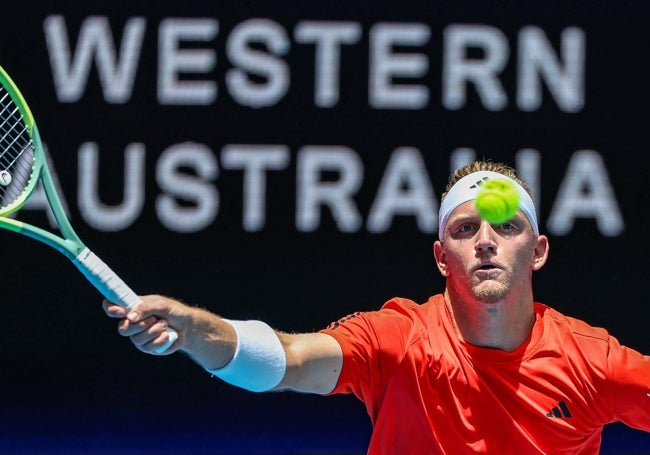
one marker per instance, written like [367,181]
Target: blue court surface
[230,423]
[87,439]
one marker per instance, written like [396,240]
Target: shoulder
[398,317]
[593,354]
[578,328]
[420,316]
[410,308]
[575,339]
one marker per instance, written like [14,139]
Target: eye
[465,228]
[509,227]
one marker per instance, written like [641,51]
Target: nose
[485,238]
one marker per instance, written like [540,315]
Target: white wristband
[259,362]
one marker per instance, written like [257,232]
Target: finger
[161,345]
[130,328]
[151,334]
[143,310]
[112,310]
[155,305]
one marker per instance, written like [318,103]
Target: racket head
[21,151]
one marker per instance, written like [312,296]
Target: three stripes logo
[478,183]
[335,325]
[560,411]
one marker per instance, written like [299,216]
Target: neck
[504,324]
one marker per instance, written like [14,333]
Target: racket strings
[16,152]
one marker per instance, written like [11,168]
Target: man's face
[487,262]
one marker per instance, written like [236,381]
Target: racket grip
[112,287]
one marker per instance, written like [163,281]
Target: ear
[540,254]
[441,258]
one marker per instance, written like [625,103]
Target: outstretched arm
[313,360]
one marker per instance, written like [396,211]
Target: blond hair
[477,166]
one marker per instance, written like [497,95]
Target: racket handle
[112,287]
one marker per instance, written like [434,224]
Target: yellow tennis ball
[497,201]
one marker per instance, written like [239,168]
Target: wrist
[209,340]
[259,361]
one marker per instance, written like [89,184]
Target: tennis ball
[497,201]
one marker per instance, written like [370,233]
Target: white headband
[467,188]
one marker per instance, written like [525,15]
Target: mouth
[487,267]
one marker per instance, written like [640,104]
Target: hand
[204,336]
[146,324]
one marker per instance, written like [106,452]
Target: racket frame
[107,282]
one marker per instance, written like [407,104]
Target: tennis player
[479,368]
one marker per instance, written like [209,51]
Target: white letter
[272,70]
[172,61]
[189,203]
[255,160]
[405,189]
[97,214]
[459,69]
[328,37]
[95,40]
[386,65]
[586,192]
[461,157]
[537,60]
[313,191]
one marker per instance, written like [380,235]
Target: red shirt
[427,392]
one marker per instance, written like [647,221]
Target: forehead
[467,212]
[463,210]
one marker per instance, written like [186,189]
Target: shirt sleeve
[373,345]
[629,392]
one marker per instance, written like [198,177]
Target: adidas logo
[560,411]
[478,183]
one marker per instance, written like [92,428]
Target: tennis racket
[22,166]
